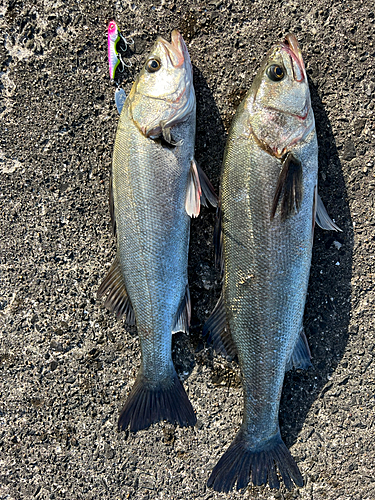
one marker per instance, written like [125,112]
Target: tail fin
[243,464]
[148,404]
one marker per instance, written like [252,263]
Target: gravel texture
[67,366]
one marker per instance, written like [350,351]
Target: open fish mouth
[176,50]
[290,45]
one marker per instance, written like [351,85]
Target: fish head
[279,99]
[163,93]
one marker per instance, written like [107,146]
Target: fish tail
[243,464]
[149,403]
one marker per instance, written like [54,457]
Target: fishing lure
[120,98]
[114,58]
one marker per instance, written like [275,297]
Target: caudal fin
[150,403]
[241,464]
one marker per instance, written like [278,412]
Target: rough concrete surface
[67,366]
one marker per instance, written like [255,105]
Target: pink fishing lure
[114,58]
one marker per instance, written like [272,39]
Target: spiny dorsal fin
[112,204]
[193,192]
[117,301]
[182,321]
[290,184]
[218,332]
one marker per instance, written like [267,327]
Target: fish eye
[153,65]
[275,73]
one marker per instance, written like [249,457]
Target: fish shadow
[328,303]
[209,148]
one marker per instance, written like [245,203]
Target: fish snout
[292,47]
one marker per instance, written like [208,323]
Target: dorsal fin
[117,301]
[217,330]
[290,184]
[218,239]
[112,204]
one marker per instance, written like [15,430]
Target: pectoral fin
[289,186]
[321,216]
[193,192]
[208,191]
[167,137]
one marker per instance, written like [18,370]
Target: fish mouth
[176,50]
[290,45]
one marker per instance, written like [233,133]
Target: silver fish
[156,187]
[268,211]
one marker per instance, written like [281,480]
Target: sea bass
[156,187]
[268,208]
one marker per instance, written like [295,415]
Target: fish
[268,206]
[114,37]
[156,187]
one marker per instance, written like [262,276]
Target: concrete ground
[66,365]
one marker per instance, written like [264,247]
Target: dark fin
[148,404]
[301,355]
[183,316]
[242,464]
[117,301]
[112,205]
[290,184]
[208,191]
[217,330]
[218,240]
[322,218]
[193,192]
[120,98]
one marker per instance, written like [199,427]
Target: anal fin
[217,331]
[117,301]
[289,185]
